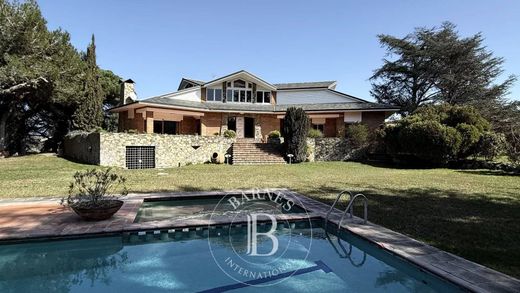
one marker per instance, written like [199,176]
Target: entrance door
[249,127]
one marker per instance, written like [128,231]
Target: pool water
[181,261]
[203,208]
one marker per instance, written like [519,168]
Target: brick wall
[210,123]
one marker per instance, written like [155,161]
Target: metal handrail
[334,205]
[346,254]
[350,206]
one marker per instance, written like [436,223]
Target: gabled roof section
[187,82]
[307,85]
[241,74]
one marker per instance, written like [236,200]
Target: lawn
[472,213]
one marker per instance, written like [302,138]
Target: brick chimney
[128,94]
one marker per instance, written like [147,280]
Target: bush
[430,141]
[491,145]
[314,133]
[229,133]
[296,129]
[436,134]
[274,134]
[357,135]
[470,137]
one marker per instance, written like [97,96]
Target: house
[245,103]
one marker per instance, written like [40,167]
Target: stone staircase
[253,153]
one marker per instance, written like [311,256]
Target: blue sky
[158,42]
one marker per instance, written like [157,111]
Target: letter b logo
[252,235]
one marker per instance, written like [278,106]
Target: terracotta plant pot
[106,211]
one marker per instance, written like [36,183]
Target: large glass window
[267,97]
[263,97]
[218,95]
[165,127]
[239,83]
[259,97]
[214,95]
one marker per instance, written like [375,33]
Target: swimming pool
[204,208]
[194,260]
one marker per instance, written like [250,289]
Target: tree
[89,114]
[437,65]
[110,84]
[39,74]
[296,128]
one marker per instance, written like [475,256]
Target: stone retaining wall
[82,147]
[109,149]
[331,149]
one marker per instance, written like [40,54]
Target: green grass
[472,213]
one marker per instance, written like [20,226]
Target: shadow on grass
[475,226]
[489,172]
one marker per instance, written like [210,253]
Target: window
[318,127]
[218,95]
[263,97]
[235,96]
[165,127]
[267,97]
[210,95]
[239,83]
[242,96]
[229,95]
[249,95]
[214,95]
[259,97]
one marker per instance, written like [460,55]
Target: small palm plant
[93,194]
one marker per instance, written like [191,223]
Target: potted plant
[274,137]
[92,194]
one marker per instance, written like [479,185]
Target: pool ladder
[350,207]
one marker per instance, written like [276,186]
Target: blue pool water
[182,261]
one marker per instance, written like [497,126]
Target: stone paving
[44,219]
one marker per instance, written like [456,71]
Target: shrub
[229,133]
[491,145]
[296,128]
[470,135]
[274,134]
[435,134]
[94,188]
[357,135]
[314,133]
[430,141]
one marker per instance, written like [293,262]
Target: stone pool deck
[23,220]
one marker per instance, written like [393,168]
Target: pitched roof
[198,82]
[337,106]
[305,85]
[246,107]
[242,73]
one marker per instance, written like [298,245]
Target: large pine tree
[89,114]
[437,65]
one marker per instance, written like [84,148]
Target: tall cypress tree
[89,114]
[296,128]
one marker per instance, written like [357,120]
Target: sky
[157,42]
